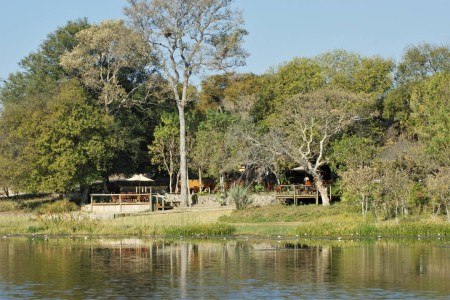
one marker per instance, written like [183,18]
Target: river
[223,268]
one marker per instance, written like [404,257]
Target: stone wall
[214,200]
[117,208]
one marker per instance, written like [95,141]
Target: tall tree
[430,116]
[73,144]
[27,93]
[61,145]
[189,37]
[111,59]
[212,148]
[439,191]
[307,124]
[241,93]
[212,92]
[350,71]
[165,146]
[360,182]
[418,63]
[41,71]
[422,61]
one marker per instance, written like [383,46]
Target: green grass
[345,229]
[290,213]
[381,229]
[339,220]
[78,223]
[218,229]
[24,205]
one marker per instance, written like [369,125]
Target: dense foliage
[94,100]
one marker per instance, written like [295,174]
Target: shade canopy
[139,177]
[299,168]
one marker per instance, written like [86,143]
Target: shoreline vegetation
[339,221]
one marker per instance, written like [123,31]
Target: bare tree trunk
[6,192]
[367,205]
[321,188]
[188,189]
[170,182]
[222,183]
[183,163]
[323,192]
[177,182]
[222,189]
[200,183]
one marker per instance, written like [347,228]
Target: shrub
[240,197]
[258,188]
[61,206]
[221,198]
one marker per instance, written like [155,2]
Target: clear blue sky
[279,29]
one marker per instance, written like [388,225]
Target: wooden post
[151,200]
[317,196]
[92,203]
[295,198]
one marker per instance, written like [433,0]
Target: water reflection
[233,269]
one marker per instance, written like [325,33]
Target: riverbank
[337,221]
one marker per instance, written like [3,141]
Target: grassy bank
[62,217]
[336,221]
[339,220]
[82,224]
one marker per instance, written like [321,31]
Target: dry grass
[155,222]
[7,205]
[202,222]
[13,223]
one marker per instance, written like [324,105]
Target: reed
[218,229]
[382,229]
[16,223]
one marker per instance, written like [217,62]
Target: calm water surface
[78,268]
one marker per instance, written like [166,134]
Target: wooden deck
[298,194]
[124,201]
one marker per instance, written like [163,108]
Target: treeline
[91,102]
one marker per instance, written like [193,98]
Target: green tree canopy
[41,71]
[73,143]
[164,150]
[430,116]
[112,60]
[422,61]
[308,122]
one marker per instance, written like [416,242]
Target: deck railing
[297,192]
[155,201]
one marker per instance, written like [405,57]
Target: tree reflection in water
[43,268]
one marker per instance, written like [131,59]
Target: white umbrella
[139,177]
